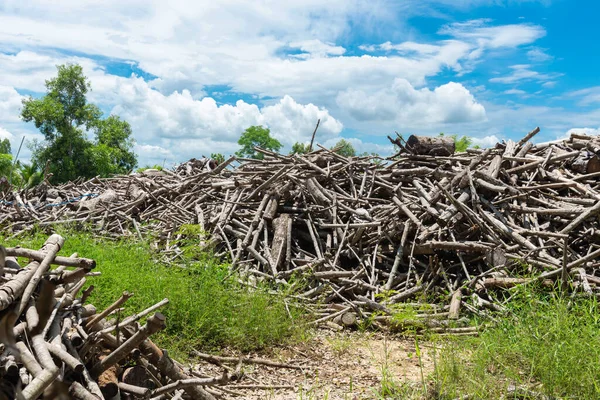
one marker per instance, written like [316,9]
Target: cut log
[431,145]
[587,165]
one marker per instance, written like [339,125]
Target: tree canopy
[5,146]
[344,148]
[64,117]
[218,157]
[300,148]
[257,136]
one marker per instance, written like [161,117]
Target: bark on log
[431,146]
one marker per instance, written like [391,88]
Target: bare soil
[337,366]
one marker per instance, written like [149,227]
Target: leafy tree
[344,148]
[30,175]
[300,148]
[256,136]
[8,170]
[218,157]
[5,164]
[64,116]
[113,152]
[5,146]
[462,144]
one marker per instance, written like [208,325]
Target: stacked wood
[55,346]
[364,235]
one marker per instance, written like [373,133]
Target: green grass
[206,311]
[547,344]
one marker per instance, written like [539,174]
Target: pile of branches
[54,346]
[429,224]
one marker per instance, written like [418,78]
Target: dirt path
[344,366]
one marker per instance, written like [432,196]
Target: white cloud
[586,96]
[149,155]
[4,134]
[29,70]
[178,126]
[515,91]
[245,47]
[242,44]
[522,72]
[539,55]
[316,48]
[292,122]
[10,104]
[408,47]
[446,104]
[494,37]
[549,84]
[486,141]
[583,131]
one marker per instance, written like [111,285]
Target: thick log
[431,146]
[586,165]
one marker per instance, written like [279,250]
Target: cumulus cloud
[243,44]
[179,126]
[149,155]
[4,134]
[29,70]
[290,57]
[583,131]
[10,104]
[486,141]
[449,103]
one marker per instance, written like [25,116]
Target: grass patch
[207,309]
[544,345]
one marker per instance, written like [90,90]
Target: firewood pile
[429,226]
[55,346]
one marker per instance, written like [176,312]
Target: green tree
[10,171]
[31,175]
[344,148]
[460,144]
[218,157]
[256,136]
[64,116]
[113,152]
[7,169]
[5,164]
[300,148]
[5,146]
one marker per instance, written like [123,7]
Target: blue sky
[191,76]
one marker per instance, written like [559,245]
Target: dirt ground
[337,366]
